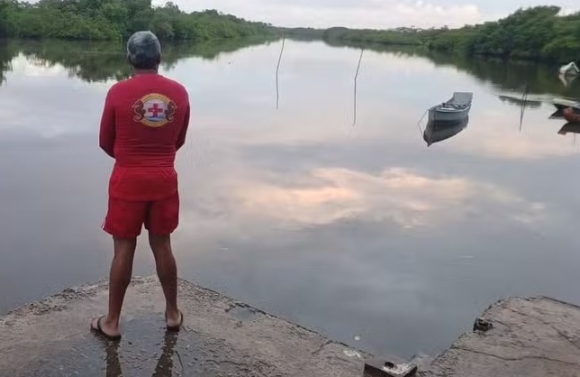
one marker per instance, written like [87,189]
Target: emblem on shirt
[154,110]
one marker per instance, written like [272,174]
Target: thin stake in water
[278,71]
[355,84]
[524,101]
[419,122]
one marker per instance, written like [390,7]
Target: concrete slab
[220,338]
[535,337]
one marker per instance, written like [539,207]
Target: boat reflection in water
[573,128]
[439,130]
[570,128]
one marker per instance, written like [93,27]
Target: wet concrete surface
[534,337]
[220,338]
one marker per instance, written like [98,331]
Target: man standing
[144,123]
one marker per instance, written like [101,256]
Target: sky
[369,13]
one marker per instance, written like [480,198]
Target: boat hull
[437,131]
[562,105]
[570,128]
[572,115]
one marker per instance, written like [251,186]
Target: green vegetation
[400,36]
[538,33]
[340,36]
[116,19]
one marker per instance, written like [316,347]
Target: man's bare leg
[167,272]
[119,280]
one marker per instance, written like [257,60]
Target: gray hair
[144,50]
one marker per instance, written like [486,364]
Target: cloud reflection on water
[403,197]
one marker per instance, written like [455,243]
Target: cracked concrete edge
[462,363]
[207,301]
[265,337]
[520,358]
[533,299]
[443,365]
[554,300]
[445,355]
[61,300]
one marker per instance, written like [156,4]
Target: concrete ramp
[220,338]
[536,337]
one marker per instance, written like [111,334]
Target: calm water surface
[353,228]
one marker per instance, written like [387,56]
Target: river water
[299,195]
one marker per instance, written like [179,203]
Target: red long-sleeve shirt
[144,123]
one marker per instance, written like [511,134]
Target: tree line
[538,33]
[117,19]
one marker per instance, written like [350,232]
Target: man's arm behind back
[182,134]
[107,130]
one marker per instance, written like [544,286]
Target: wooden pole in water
[355,84]
[524,99]
[278,70]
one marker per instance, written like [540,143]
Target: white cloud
[376,14]
[362,14]
[33,81]
[35,67]
[368,13]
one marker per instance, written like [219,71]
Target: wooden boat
[562,104]
[439,130]
[455,109]
[570,69]
[572,115]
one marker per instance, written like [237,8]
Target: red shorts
[125,218]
